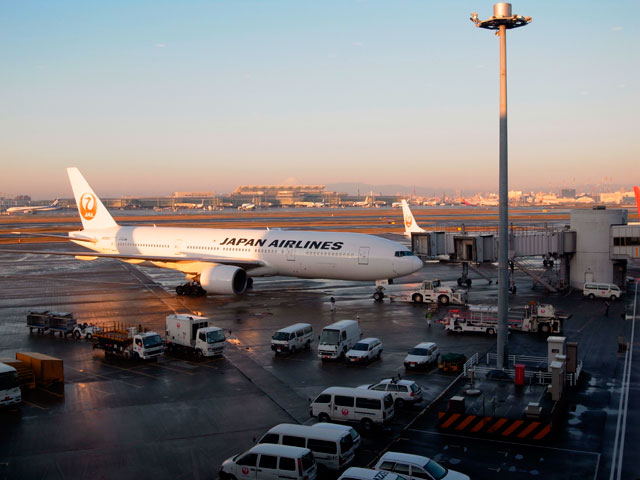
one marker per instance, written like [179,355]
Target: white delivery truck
[337,339]
[10,393]
[193,335]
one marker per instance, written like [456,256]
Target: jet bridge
[595,247]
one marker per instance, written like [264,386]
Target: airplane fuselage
[330,255]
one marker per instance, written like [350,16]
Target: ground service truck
[534,318]
[433,292]
[128,341]
[192,334]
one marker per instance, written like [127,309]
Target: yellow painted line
[96,375]
[452,419]
[466,422]
[175,369]
[543,433]
[34,405]
[528,430]
[512,428]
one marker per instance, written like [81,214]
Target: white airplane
[410,224]
[223,261]
[247,206]
[45,208]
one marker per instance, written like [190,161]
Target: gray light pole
[501,21]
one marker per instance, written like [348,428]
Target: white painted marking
[623,406]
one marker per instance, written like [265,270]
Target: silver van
[270,462]
[602,290]
[292,338]
[332,449]
[345,404]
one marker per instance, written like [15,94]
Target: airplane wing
[238,262]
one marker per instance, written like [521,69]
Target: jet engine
[223,279]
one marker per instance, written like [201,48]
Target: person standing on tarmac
[428,319]
[332,305]
[606,309]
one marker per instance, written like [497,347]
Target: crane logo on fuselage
[88,206]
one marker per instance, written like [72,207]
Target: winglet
[410,224]
[637,192]
[93,213]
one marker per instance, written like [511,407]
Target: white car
[357,473]
[365,350]
[402,391]
[421,356]
[416,467]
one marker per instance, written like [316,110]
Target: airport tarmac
[177,418]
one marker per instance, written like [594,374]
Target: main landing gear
[191,289]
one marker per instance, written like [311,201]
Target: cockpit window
[404,253]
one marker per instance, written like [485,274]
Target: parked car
[365,350]
[402,391]
[416,467]
[357,473]
[421,356]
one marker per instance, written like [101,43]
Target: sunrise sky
[151,97]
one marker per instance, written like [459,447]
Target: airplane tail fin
[93,213]
[55,203]
[636,190]
[410,224]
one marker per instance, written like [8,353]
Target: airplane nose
[416,264]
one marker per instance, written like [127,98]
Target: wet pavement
[178,418]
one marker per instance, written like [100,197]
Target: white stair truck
[193,335]
[542,318]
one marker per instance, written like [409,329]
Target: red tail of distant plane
[637,192]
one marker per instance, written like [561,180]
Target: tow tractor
[85,330]
[429,291]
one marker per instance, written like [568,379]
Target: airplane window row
[128,244]
[275,251]
[404,253]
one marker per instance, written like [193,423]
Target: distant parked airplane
[45,208]
[247,206]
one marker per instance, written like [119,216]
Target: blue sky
[154,97]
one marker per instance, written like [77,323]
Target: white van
[337,339]
[602,290]
[292,338]
[270,462]
[355,436]
[332,449]
[345,404]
